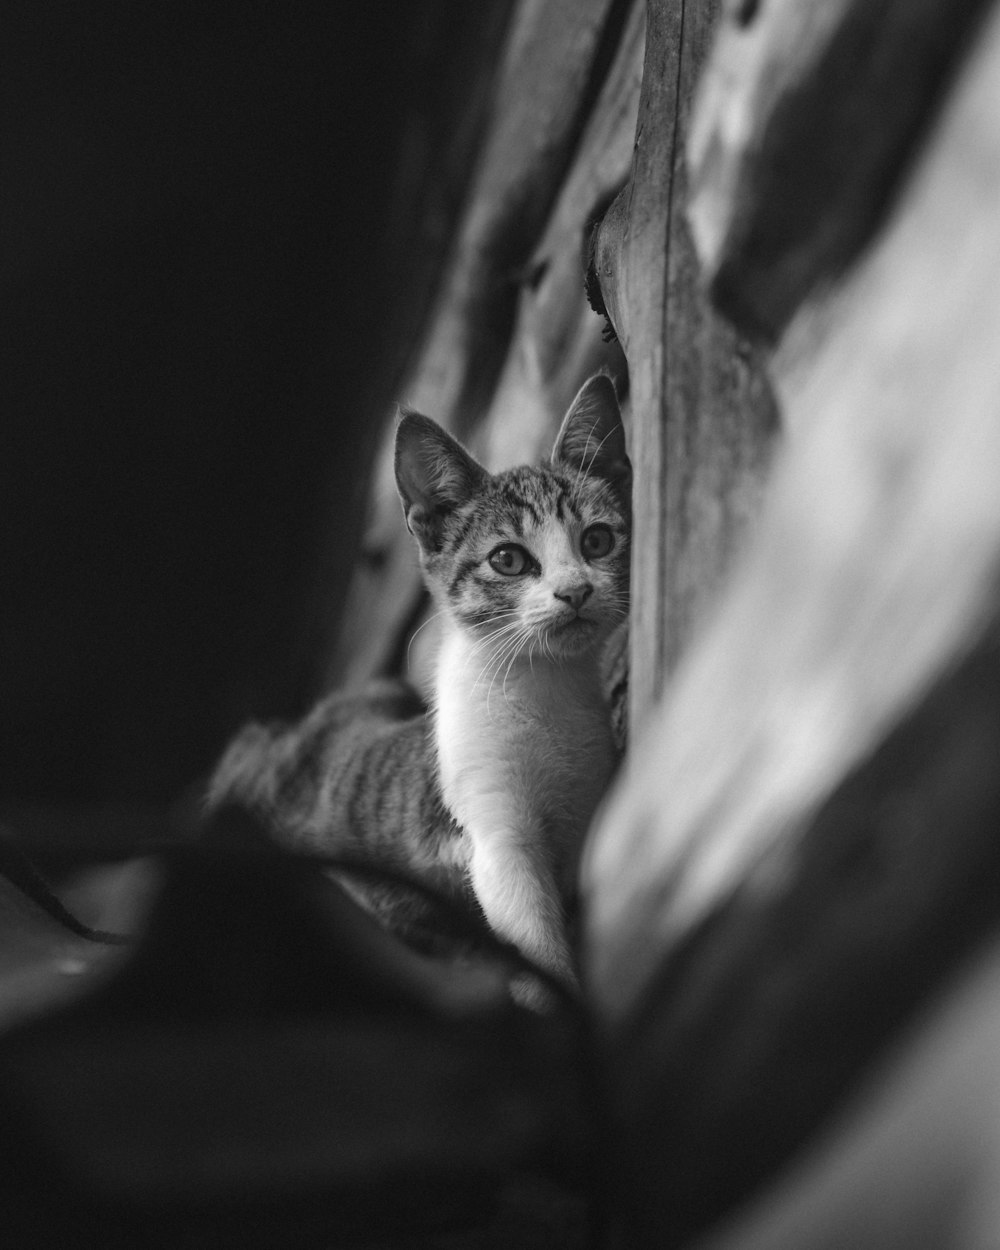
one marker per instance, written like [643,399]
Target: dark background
[221,223]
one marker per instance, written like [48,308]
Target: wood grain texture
[558,341]
[805,123]
[804,843]
[541,105]
[703,414]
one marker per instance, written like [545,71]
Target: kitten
[487,797]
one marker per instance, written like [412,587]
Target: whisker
[585,466]
[491,639]
[500,656]
[508,645]
[423,625]
[510,665]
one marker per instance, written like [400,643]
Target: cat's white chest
[527,757]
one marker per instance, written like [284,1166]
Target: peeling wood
[557,341]
[703,414]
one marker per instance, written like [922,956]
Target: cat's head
[536,557]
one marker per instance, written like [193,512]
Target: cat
[486,797]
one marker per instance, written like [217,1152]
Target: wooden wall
[787,215]
[511,335]
[803,855]
[798,247]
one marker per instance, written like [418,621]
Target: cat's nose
[575,596]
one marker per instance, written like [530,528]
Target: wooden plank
[805,122]
[703,416]
[805,842]
[558,342]
[542,101]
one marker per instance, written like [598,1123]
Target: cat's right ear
[434,475]
[591,439]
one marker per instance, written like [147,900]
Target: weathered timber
[557,341]
[703,415]
[806,120]
[805,840]
[541,104]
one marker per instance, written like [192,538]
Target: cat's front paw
[531,991]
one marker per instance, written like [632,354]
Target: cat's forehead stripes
[534,494]
[517,503]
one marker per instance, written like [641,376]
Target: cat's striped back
[356,778]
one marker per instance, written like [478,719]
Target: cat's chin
[572,637]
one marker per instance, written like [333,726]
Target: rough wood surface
[703,416]
[541,104]
[805,840]
[806,119]
[558,341]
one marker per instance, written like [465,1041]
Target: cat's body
[527,780]
[357,778]
[488,796]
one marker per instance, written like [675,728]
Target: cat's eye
[597,541]
[510,560]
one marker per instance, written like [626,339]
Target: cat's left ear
[434,475]
[591,439]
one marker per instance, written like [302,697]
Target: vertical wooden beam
[703,414]
[804,845]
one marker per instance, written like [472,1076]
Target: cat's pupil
[597,541]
